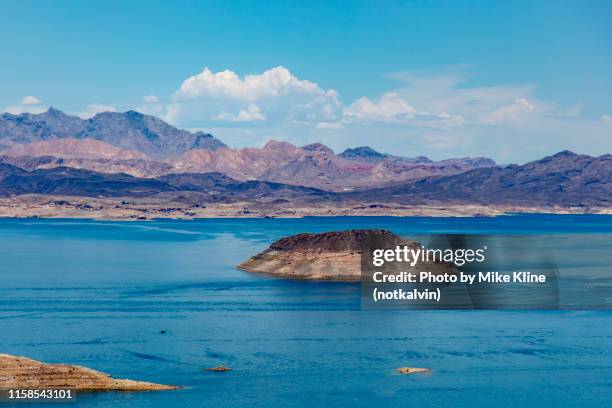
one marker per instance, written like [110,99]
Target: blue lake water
[99,293]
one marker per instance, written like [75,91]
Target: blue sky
[510,80]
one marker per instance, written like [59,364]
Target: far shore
[131,209]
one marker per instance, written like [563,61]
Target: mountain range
[135,155]
[145,146]
[565,179]
[130,130]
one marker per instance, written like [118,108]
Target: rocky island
[333,256]
[25,373]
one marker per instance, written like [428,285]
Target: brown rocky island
[332,256]
[25,373]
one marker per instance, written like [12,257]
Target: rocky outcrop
[22,372]
[327,256]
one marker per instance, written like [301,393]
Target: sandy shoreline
[126,209]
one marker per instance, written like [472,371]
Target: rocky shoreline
[25,373]
[126,209]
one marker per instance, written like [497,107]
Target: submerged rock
[22,372]
[219,368]
[412,370]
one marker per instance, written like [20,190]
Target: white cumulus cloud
[251,114]
[286,99]
[389,107]
[273,82]
[440,113]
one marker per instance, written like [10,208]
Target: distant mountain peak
[363,153]
[129,130]
[318,147]
[207,141]
[363,150]
[129,115]
[54,111]
[277,144]
[145,145]
[565,153]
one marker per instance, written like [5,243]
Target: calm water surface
[99,293]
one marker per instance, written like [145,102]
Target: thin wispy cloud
[94,108]
[150,99]
[27,104]
[30,101]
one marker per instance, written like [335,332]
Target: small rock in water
[162,332]
[219,368]
[412,370]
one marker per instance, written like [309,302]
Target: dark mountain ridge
[363,153]
[565,179]
[129,130]
[86,183]
[366,154]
